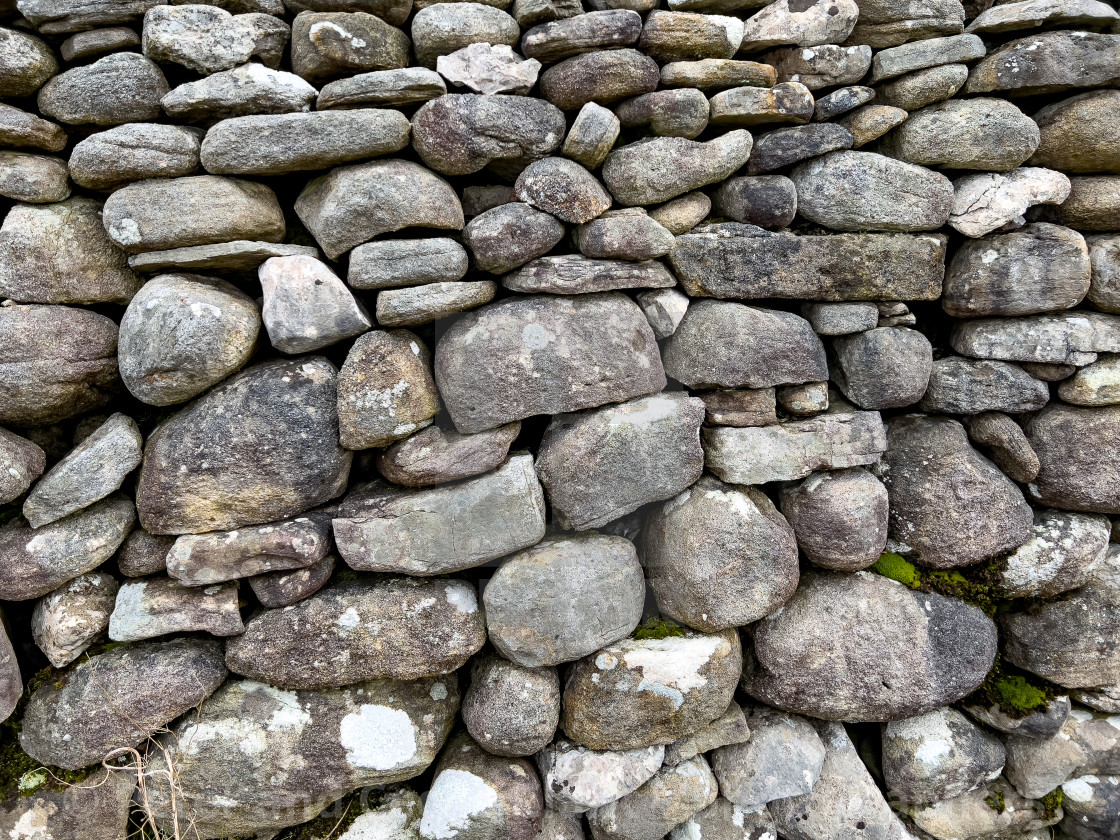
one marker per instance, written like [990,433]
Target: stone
[1047,62]
[35,179]
[1030,14]
[563,599]
[1006,444]
[1058,338]
[424,304]
[353,204]
[22,129]
[842,101]
[55,16]
[928,650]
[592,135]
[306,307]
[672,686]
[461,133]
[576,274]
[740,408]
[971,386]
[588,463]
[990,202]
[406,262]
[359,630]
[225,790]
[923,54]
[531,12]
[972,815]
[437,455]
[116,89]
[248,89]
[563,188]
[787,146]
[1038,726]
[1095,384]
[680,215]
[1062,554]
[394,12]
[719,557]
[871,122]
[208,39]
[599,77]
[21,462]
[237,257]
[886,367]
[682,112]
[840,318]
[1038,268]
[489,69]
[390,88]
[572,35]
[113,158]
[937,756]
[507,236]
[949,505]
[153,683]
[385,389]
[159,606]
[805,24]
[729,728]
[782,758]
[98,41]
[671,796]
[1104,287]
[582,351]
[26,63]
[1091,806]
[1079,134]
[979,133]
[207,559]
[888,23]
[804,400]
[143,554]
[922,87]
[717,74]
[40,560]
[577,779]
[510,710]
[760,348]
[443,28]
[94,469]
[866,191]
[67,621]
[97,808]
[286,587]
[724,821]
[690,36]
[207,468]
[1077,743]
[276,144]
[1049,372]
[476,794]
[748,106]
[633,173]
[1092,205]
[839,518]
[326,45]
[768,201]
[793,449]
[443,529]
[664,309]
[822,66]
[1068,440]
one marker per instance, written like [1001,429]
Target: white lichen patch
[378,737]
[456,796]
[671,667]
[462,597]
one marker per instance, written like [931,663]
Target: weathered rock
[110,159]
[424,304]
[673,795]
[1078,470]
[682,214]
[35,179]
[724,821]
[984,203]
[19,128]
[886,367]
[577,779]
[563,188]
[353,204]
[1078,743]
[1104,287]
[305,306]
[582,33]
[531,12]
[74,15]
[248,89]
[1091,806]
[1095,384]
[971,386]
[972,815]
[326,45]
[664,309]
[237,257]
[624,234]
[583,351]
[639,693]
[1041,724]
[839,517]
[443,28]
[395,12]
[841,101]
[1029,14]
[689,36]
[599,77]
[729,728]
[821,66]
[143,554]
[888,23]
[1006,444]
[510,710]
[1062,554]
[159,606]
[592,135]
[99,41]
[26,63]
[923,54]
[208,39]
[782,758]
[927,651]
[1092,204]
[1079,134]
[871,122]
[1060,338]
[719,556]
[362,630]
[75,723]
[922,87]
[769,201]
[747,106]
[787,146]
[575,274]
[668,113]
[1047,62]
[96,808]
[67,621]
[717,74]
[21,462]
[748,407]
[437,455]
[804,400]
[840,318]
[382,87]
[634,176]
[489,69]
[120,88]
[804,24]
[406,262]
[284,588]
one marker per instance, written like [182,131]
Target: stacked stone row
[648,399]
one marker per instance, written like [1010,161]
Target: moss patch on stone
[897,567]
[996,802]
[20,773]
[972,585]
[1016,694]
[658,628]
[1051,803]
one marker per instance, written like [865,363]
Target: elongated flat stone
[573,274]
[205,559]
[241,255]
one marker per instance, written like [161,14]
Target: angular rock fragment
[406,262]
[248,89]
[1037,728]
[563,188]
[599,77]
[582,33]
[722,819]
[575,274]
[67,621]
[1092,204]
[209,39]
[239,256]
[577,779]
[972,813]
[804,24]
[510,710]
[1062,554]
[840,318]
[592,135]
[782,758]
[1078,469]
[284,588]
[96,808]
[672,796]
[116,89]
[489,69]
[382,87]
[664,309]
[839,518]
[424,304]
[205,559]
[841,101]
[326,45]
[1095,384]
[1047,62]
[985,203]
[970,386]
[98,41]
[1029,14]
[1075,743]
[746,106]
[823,66]
[305,306]
[443,28]
[729,728]
[75,15]
[159,606]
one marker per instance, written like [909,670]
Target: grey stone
[159,606]
[576,274]
[1040,724]
[21,462]
[1030,14]
[35,179]
[433,531]
[424,304]
[509,235]
[98,41]
[76,723]
[887,367]
[389,88]
[582,351]
[768,201]
[406,262]
[1059,338]
[787,146]
[802,24]
[510,710]
[680,215]
[599,77]
[326,45]
[67,621]
[1092,204]
[1074,446]
[866,191]
[20,128]
[922,87]
[782,758]
[1062,554]
[286,587]
[170,352]
[822,66]
[871,122]
[91,471]
[748,106]
[685,682]
[1047,62]
[11,682]
[1104,257]
[740,408]
[759,348]
[804,400]
[143,554]
[1078,743]
[673,795]
[970,386]
[927,650]
[531,12]
[839,517]
[717,74]
[592,135]
[841,102]
[577,779]
[1079,134]
[690,36]
[989,202]
[110,159]
[489,69]
[794,449]
[923,54]
[120,88]
[248,89]
[561,600]
[664,309]
[719,556]
[459,134]
[682,112]
[729,728]
[888,23]
[1006,444]
[1095,384]
[563,188]
[437,455]
[353,204]
[558,39]
[840,318]
[208,39]
[26,63]
[1049,372]
[237,257]
[208,468]
[724,821]
[306,307]
[74,15]
[96,808]
[395,12]
[972,815]
[1091,805]
[443,28]
[950,506]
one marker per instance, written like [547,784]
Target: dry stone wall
[550,420]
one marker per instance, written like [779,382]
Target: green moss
[1016,693]
[657,627]
[973,586]
[20,772]
[897,567]
[995,802]
[1051,803]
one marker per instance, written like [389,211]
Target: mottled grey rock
[97,806]
[511,710]
[689,36]
[395,12]
[236,257]
[1062,554]
[1060,338]
[1091,805]
[748,106]
[769,201]
[406,262]
[822,66]
[75,723]
[759,348]
[592,135]
[840,318]
[717,74]
[382,528]
[286,587]
[1078,468]
[671,796]
[507,236]
[668,113]
[1006,444]
[11,683]
[21,462]
[1079,134]
[26,63]
[207,39]
[143,554]
[639,693]
[664,309]
[35,179]
[576,779]
[1040,725]
[723,820]
[563,599]
[554,40]
[326,45]
[1104,257]
[839,517]
[159,606]
[382,88]
[970,386]
[576,274]
[582,351]
[680,215]
[923,87]
[803,24]
[1047,62]
[530,12]
[67,621]
[887,367]
[729,728]
[563,188]
[927,650]
[459,134]
[804,400]
[871,122]
[443,28]
[1029,14]
[424,304]
[1092,204]
[740,408]
[782,758]
[600,77]
[842,101]
[1076,743]
[20,128]
[248,89]
[110,159]
[923,54]
[972,815]
[353,204]
[120,88]
[489,69]
[888,23]
[867,191]
[98,41]
[1095,384]
[306,307]
[787,146]
[75,15]
[437,455]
